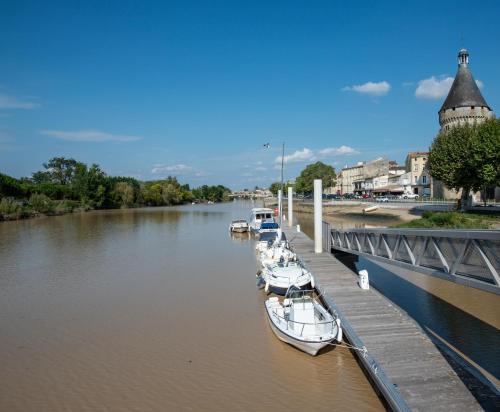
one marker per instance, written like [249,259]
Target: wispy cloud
[336,151]
[12,102]
[298,156]
[89,136]
[370,88]
[174,169]
[436,87]
[307,154]
[6,141]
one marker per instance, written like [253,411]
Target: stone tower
[464,103]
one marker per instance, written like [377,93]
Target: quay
[401,360]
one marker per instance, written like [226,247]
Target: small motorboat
[276,253]
[279,276]
[266,240]
[239,226]
[259,215]
[301,321]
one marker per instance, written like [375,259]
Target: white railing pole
[290,206]
[318,215]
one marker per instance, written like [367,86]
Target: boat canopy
[269,225]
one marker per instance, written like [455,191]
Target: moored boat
[239,226]
[280,276]
[259,215]
[301,321]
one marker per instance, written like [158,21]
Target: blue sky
[193,89]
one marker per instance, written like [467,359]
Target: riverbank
[11,210]
[400,216]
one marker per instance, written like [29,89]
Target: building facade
[420,179]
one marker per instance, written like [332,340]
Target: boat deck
[402,361]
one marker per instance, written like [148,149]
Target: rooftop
[464,91]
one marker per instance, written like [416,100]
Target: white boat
[259,215]
[277,252]
[280,276]
[267,239]
[301,321]
[370,209]
[239,226]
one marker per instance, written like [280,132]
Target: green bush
[42,204]
[66,206]
[9,206]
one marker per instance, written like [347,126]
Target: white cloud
[175,169]
[336,151]
[371,88]
[11,102]
[433,88]
[306,155]
[298,156]
[89,136]
[261,168]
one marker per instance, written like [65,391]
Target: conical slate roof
[464,91]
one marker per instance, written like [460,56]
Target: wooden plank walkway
[402,360]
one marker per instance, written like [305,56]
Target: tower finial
[463,57]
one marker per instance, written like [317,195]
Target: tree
[305,182]
[466,157]
[485,147]
[277,185]
[10,186]
[125,193]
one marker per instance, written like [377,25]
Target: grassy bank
[454,220]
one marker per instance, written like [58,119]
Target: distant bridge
[467,257]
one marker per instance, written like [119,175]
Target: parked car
[383,199]
[365,196]
[410,196]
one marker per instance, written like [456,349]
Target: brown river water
[151,310]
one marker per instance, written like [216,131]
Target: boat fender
[266,289]
[339,333]
[312,281]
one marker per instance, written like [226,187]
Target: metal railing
[467,257]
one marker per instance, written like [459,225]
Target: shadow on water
[441,320]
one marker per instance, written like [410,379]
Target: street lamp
[280,197]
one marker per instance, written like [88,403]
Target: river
[151,309]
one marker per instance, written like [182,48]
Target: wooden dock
[402,361]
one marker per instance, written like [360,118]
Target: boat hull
[239,229]
[310,347]
[282,290]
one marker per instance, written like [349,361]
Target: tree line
[65,185]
